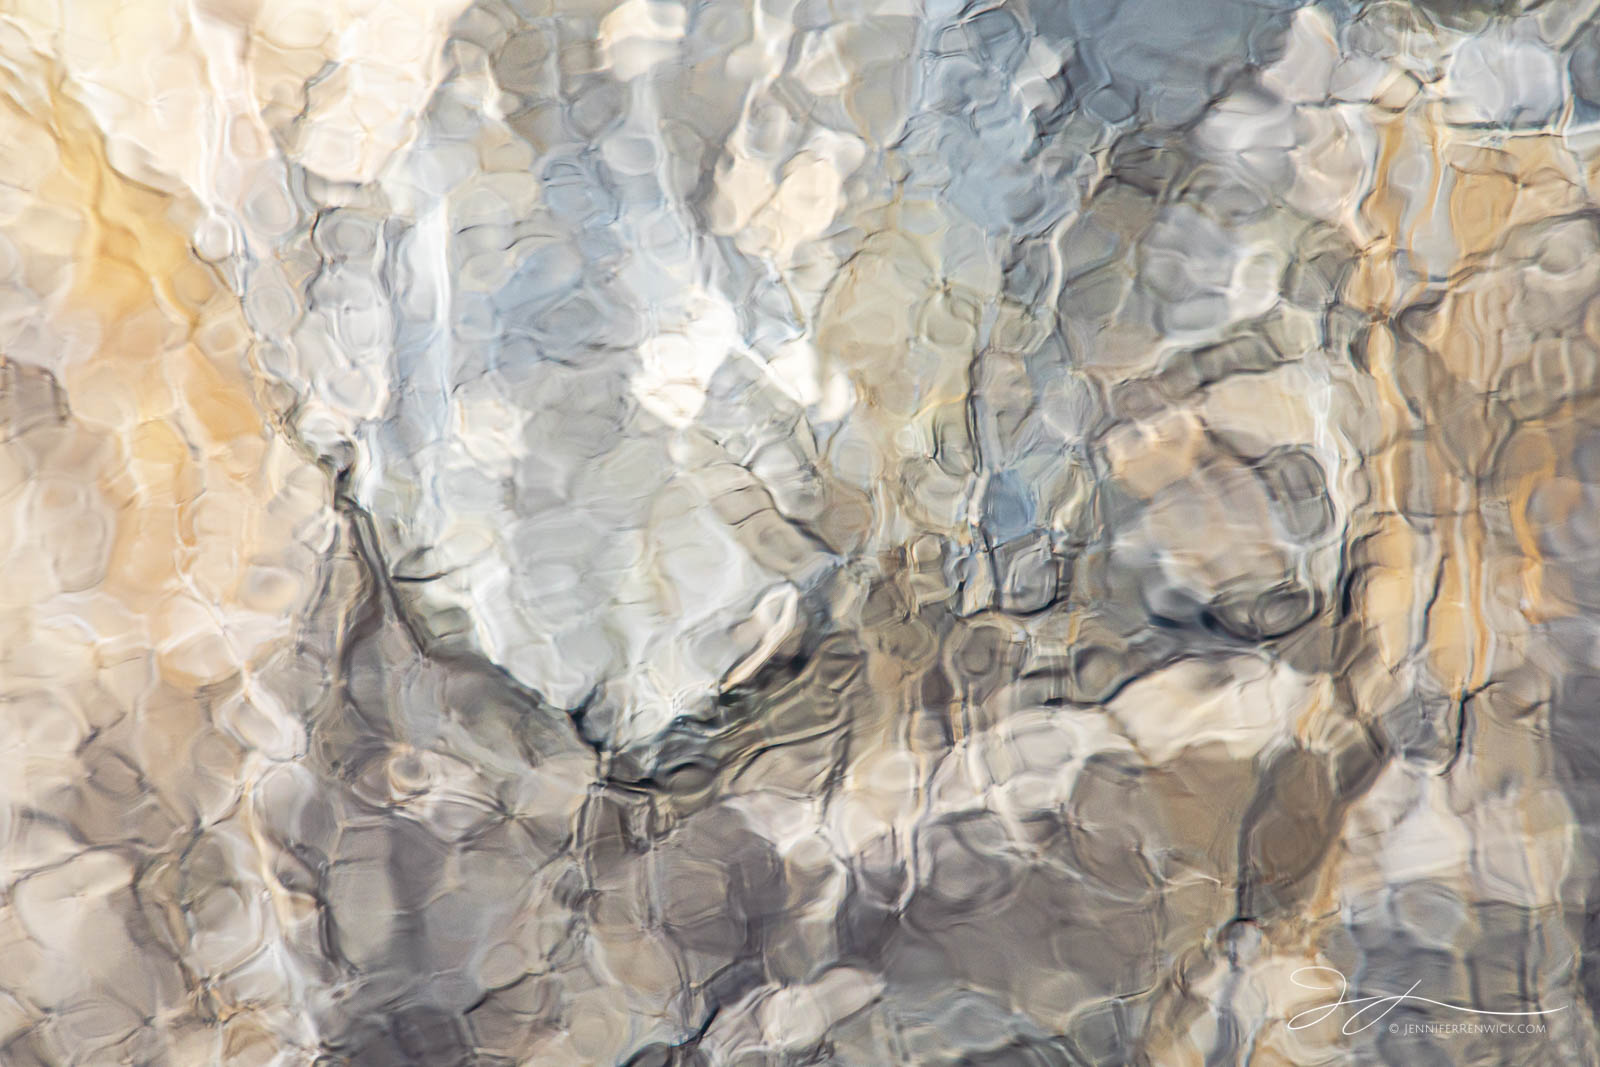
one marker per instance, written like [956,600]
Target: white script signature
[1387,1002]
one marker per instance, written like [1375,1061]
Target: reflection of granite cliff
[794,534]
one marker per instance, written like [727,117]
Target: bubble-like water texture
[776,532]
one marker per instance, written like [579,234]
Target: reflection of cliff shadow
[1562,513]
[430,824]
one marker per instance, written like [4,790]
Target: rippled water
[771,532]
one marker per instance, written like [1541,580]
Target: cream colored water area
[777,532]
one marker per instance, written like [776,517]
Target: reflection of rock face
[758,533]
